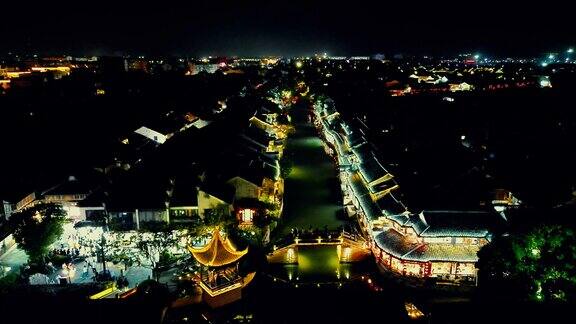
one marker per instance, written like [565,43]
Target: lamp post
[103,256]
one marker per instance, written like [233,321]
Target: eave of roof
[218,252]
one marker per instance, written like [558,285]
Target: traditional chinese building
[439,244]
[219,278]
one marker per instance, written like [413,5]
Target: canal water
[319,289]
[316,264]
[312,201]
[312,198]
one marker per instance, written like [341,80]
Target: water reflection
[318,264]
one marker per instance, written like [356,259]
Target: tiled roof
[390,205]
[370,168]
[185,193]
[397,245]
[256,171]
[400,219]
[446,252]
[394,243]
[361,192]
[71,186]
[456,223]
[355,138]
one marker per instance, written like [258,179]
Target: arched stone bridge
[350,247]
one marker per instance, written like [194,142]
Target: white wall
[151,134]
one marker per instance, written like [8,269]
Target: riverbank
[312,196]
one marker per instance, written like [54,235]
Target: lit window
[247,215]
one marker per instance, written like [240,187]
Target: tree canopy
[538,264]
[36,228]
[219,216]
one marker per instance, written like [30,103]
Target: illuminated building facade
[438,244]
[429,244]
[70,194]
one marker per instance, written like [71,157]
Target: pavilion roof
[218,252]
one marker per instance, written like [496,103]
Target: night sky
[298,27]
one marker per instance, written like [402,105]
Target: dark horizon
[298,28]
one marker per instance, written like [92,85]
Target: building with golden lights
[219,277]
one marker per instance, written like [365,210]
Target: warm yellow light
[291,255]
[37,217]
[63,69]
[412,311]
[104,293]
[299,64]
[287,94]
[347,252]
[14,75]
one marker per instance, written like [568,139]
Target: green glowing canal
[311,190]
[312,201]
[316,264]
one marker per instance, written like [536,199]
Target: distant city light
[299,64]
[545,83]
[477,56]
[551,56]
[544,64]
[570,50]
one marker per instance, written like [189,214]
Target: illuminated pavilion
[219,277]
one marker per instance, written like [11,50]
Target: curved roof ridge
[414,249]
[218,252]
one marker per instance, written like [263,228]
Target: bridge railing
[317,237]
[353,237]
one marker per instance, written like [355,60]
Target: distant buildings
[463,86]
[6,209]
[196,68]
[152,134]
[69,194]
[227,167]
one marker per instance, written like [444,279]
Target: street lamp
[102,244]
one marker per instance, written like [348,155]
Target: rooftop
[218,252]
[444,223]
[184,193]
[70,186]
[397,245]
[361,192]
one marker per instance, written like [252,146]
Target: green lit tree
[36,228]
[538,264]
[286,165]
[155,248]
[219,216]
